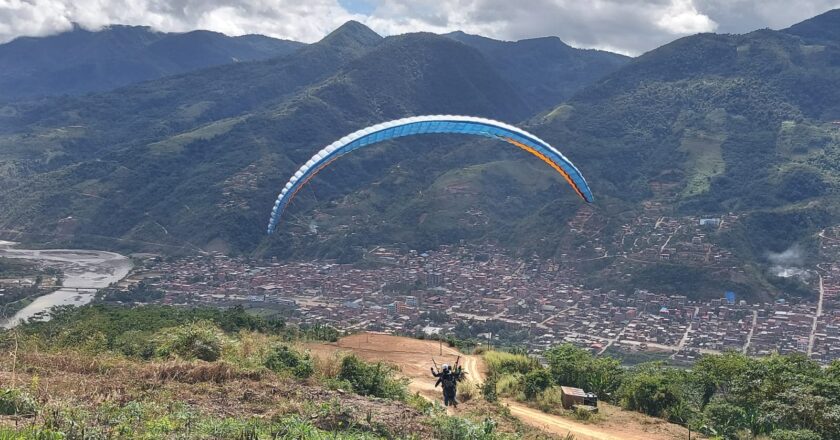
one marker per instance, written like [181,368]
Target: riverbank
[85,271]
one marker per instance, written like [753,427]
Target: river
[85,271]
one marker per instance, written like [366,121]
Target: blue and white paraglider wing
[422,125]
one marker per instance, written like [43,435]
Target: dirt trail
[414,357]
[559,425]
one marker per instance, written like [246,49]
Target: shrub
[372,379]
[509,385]
[421,403]
[283,359]
[14,402]
[550,399]
[799,434]
[488,389]
[502,362]
[135,344]
[198,340]
[467,390]
[328,367]
[654,388]
[536,382]
[573,366]
[456,428]
[582,413]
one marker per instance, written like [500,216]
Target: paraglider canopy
[430,124]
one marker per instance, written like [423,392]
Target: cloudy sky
[626,26]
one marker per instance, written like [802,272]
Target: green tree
[653,388]
[568,365]
[535,382]
[572,366]
[726,418]
[604,376]
[488,388]
[716,373]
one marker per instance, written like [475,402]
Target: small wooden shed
[571,396]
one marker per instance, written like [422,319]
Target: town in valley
[484,293]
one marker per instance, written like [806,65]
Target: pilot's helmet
[445,367]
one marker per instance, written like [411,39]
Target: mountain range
[81,61]
[706,125]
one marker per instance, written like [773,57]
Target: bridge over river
[85,272]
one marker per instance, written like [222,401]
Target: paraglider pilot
[449,378]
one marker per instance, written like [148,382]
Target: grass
[144,420]
[562,112]
[111,396]
[510,385]
[255,385]
[198,372]
[176,144]
[454,428]
[467,390]
[504,362]
[73,385]
[705,161]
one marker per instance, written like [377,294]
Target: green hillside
[745,122]
[98,372]
[129,171]
[731,123]
[705,126]
[166,372]
[545,70]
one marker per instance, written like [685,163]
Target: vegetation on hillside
[728,396]
[737,123]
[556,71]
[99,372]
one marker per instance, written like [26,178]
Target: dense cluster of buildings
[408,291]
[825,343]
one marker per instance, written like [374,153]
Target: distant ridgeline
[80,61]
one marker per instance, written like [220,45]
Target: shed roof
[572,391]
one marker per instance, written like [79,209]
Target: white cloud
[304,21]
[681,17]
[738,16]
[628,26]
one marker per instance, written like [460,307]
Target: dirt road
[615,424]
[414,357]
[559,425]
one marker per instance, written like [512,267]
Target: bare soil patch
[413,357]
